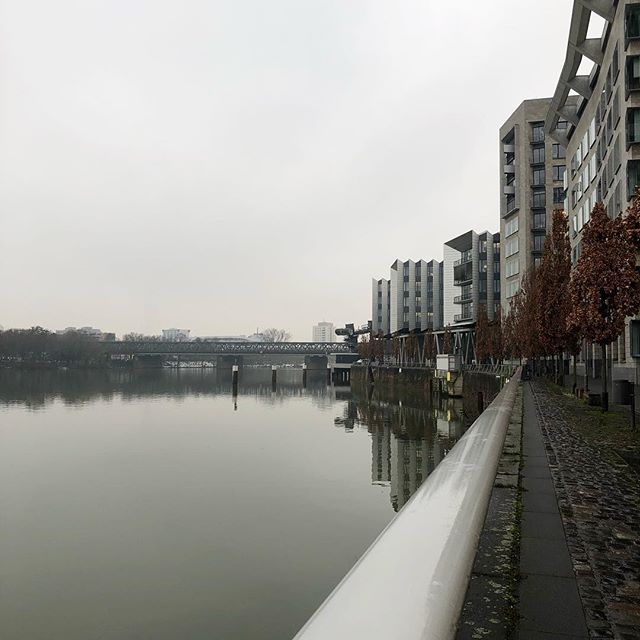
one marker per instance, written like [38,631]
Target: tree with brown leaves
[605,286]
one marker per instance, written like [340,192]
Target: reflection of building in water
[380,454]
[410,465]
[449,421]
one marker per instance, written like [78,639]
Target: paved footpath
[580,539]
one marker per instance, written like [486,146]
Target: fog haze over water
[223,166]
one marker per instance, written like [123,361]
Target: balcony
[464,259]
[462,317]
[510,168]
[465,297]
[465,279]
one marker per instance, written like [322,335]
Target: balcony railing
[427,551]
[465,297]
[463,259]
[462,281]
[465,315]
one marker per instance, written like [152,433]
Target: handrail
[422,561]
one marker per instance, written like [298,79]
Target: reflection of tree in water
[35,389]
[408,439]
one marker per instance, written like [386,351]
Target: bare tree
[275,335]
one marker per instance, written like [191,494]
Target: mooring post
[234,379]
[304,374]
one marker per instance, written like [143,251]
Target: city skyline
[171,181]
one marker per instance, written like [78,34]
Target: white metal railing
[411,582]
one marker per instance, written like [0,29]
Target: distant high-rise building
[471,277]
[176,335]
[532,171]
[380,306]
[415,295]
[324,332]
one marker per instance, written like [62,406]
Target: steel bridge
[219,348]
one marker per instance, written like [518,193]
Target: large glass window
[512,267]
[558,152]
[633,125]
[537,132]
[512,288]
[539,198]
[633,73]
[511,246]
[615,64]
[558,172]
[538,243]
[538,177]
[538,155]
[511,226]
[632,21]
[511,202]
[539,220]
[633,177]
[558,195]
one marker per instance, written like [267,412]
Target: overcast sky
[222,166]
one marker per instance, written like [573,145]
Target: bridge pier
[314,362]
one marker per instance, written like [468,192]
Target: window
[558,172]
[539,220]
[607,85]
[482,266]
[511,202]
[562,124]
[511,226]
[586,176]
[538,243]
[512,267]
[538,177]
[539,198]
[558,152]
[558,195]
[580,218]
[537,132]
[511,246]
[633,73]
[615,110]
[633,126]
[538,155]
[512,288]
[615,64]
[593,167]
[592,132]
[632,21]
[616,155]
[496,266]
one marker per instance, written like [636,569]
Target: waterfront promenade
[581,523]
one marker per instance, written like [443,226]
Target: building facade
[380,307]
[532,170]
[471,278]
[323,332]
[176,335]
[602,130]
[415,295]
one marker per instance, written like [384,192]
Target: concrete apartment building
[380,306]
[471,277]
[532,170]
[415,295]
[323,332]
[602,130]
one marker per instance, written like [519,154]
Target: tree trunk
[575,374]
[605,391]
[586,368]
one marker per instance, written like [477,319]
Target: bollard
[481,402]
[329,375]
[274,377]
[234,380]
[304,375]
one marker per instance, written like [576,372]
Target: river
[155,505]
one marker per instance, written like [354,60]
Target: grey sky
[223,166]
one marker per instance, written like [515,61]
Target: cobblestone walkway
[600,507]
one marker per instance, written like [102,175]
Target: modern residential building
[323,332]
[532,169]
[600,126]
[471,277]
[176,335]
[415,295]
[380,306]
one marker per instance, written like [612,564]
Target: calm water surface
[154,506]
